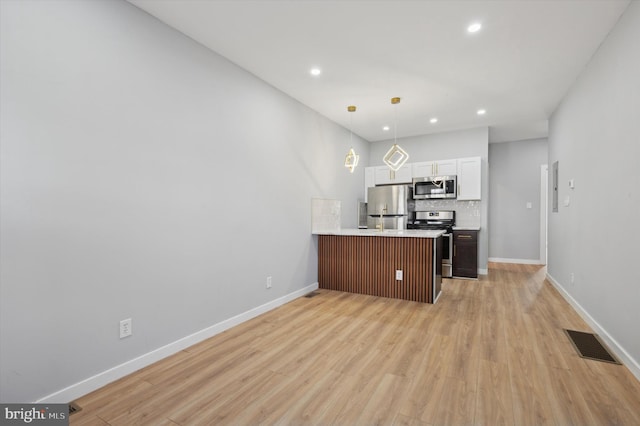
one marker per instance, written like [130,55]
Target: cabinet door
[403,175]
[384,175]
[369,180]
[465,254]
[469,178]
[422,169]
[446,167]
[434,168]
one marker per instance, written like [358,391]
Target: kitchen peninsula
[401,264]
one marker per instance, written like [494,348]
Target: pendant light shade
[351,159]
[396,156]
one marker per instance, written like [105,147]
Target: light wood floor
[489,352]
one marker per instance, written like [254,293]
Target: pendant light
[351,160]
[396,156]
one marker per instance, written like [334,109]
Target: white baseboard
[522,261]
[619,351]
[90,384]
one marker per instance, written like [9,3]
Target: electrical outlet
[398,274]
[125,328]
[268,282]
[573,278]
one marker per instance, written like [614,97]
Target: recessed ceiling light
[315,72]
[482,111]
[385,128]
[474,28]
[434,120]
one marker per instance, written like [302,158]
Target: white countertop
[466,228]
[406,233]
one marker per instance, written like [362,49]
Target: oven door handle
[451,245]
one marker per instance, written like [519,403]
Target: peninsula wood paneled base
[368,265]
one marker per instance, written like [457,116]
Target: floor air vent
[589,346]
[312,294]
[73,408]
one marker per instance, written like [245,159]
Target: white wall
[444,146]
[144,177]
[514,181]
[595,137]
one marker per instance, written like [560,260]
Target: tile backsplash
[467,212]
[325,215]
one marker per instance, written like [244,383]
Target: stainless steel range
[439,220]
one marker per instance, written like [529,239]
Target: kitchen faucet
[382,212]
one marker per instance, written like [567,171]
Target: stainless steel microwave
[435,187]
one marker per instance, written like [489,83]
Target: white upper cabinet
[384,175]
[434,168]
[469,178]
[468,171]
[446,167]
[422,169]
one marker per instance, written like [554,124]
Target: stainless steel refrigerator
[387,207]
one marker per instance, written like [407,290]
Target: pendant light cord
[351,128]
[395,127]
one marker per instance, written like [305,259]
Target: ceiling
[518,67]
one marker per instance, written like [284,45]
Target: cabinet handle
[436,168]
[458,189]
[464,236]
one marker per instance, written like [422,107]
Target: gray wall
[443,146]
[595,137]
[514,230]
[143,176]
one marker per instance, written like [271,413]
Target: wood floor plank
[494,405]
[158,372]
[309,409]
[207,401]
[565,397]
[91,420]
[346,405]
[269,407]
[530,403]
[245,401]
[490,351]
[457,405]
[402,420]
[383,405]
[428,379]
[122,395]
